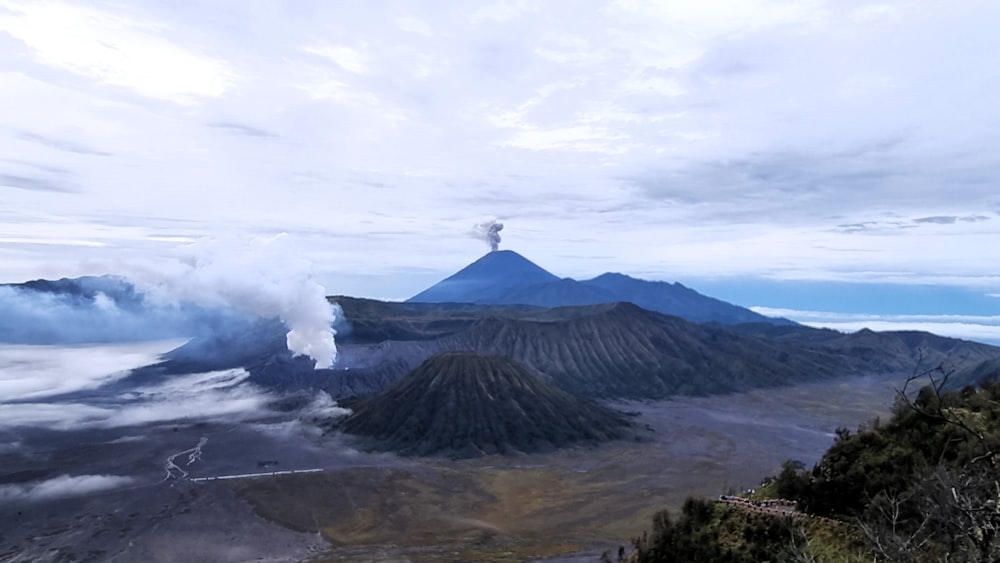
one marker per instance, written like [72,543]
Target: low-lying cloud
[31,372]
[199,396]
[61,487]
[102,310]
[323,407]
[970,327]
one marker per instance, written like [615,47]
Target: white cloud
[114,49]
[414,25]
[853,317]
[62,486]
[877,12]
[584,139]
[203,396]
[347,58]
[678,138]
[970,327]
[32,372]
[49,241]
[501,11]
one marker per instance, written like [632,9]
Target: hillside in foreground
[918,488]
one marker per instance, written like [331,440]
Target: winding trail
[781,507]
[774,507]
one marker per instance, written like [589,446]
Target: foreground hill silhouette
[506,278]
[918,487]
[466,404]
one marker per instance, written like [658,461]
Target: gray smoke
[489,232]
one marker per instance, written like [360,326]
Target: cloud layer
[32,372]
[32,379]
[796,140]
[970,327]
[202,396]
[62,486]
[110,311]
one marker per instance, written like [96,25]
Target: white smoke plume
[259,276]
[489,232]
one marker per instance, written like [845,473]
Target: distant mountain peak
[488,277]
[505,262]
[504,277]
[614,275]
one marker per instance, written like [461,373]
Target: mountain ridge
[507,278]
[603,351]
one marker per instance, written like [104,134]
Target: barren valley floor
[380,507]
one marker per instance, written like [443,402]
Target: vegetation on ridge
[922,487]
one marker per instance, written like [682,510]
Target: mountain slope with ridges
[622,350]
[486,280]
[676,299]
[507,278]
[467,404]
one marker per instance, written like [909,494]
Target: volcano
[507,278]
[468,404]
[487,280]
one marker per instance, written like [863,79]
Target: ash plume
[489,232]
[260,277]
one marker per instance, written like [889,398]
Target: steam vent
[467,404]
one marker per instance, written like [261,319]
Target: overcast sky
[747,139]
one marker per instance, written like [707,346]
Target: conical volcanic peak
[486,279]
[467,404]
[506,278]
[506,263]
